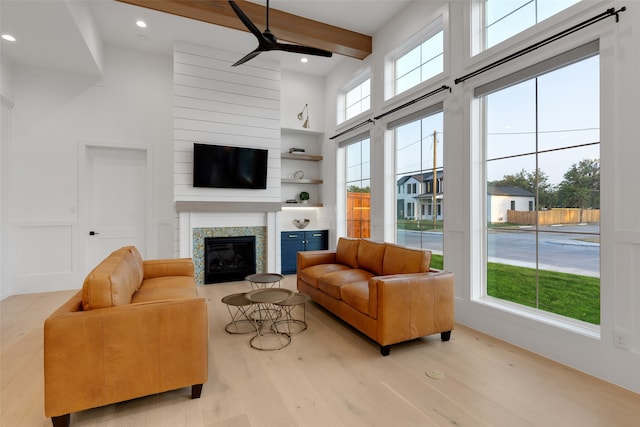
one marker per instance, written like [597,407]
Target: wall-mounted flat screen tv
[221,166]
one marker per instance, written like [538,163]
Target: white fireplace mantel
[205,206]
[230,214]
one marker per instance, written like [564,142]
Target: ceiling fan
[267,41]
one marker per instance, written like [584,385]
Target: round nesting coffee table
[240,323]
[264,280]
[268,338]
[289,324]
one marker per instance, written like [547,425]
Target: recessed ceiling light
[304,60]
[140,23]
[8,37]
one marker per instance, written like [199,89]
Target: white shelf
[301,181]
[301,131]
[302,156]
[302,205]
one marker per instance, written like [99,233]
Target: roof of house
[426,176]
[495,190]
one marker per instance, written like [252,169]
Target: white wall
[218,104]
[497,206]
[6,106]
[581,348]
[53,113]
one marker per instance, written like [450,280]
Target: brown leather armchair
[136,328]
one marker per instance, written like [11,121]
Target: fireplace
[228,259]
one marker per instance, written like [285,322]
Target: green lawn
[422,225]
[570,295]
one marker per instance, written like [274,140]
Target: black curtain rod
[584,24]
[352,128]
[406,104]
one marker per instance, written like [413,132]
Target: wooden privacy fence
[358,214]
[554,216]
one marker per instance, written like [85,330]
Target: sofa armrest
[309,258]
[409,306]
[168,267]
[97,357]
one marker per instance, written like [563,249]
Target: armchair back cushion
[400,260]
[114,280]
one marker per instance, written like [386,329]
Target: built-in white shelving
[301,171]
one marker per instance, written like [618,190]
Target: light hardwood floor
[330,375]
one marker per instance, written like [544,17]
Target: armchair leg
[61,421]
[385,350]
[445,336]
[196,391]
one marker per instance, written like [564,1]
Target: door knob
[93,233]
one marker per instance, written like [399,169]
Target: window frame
[391,142]
[436,25]
[574,53]
[341,102]
[341,181]
[480,52]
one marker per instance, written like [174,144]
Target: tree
[530,181]
[581,185]
[356,189]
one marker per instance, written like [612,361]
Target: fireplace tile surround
[199,234]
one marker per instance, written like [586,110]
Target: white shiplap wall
[215,103]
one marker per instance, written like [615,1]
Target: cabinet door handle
[293,236]
[317,235]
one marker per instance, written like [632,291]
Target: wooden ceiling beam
[285,26]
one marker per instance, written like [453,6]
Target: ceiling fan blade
[245,20]
[247,57]
[267,41]
[306,50]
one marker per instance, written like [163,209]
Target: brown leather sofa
[386,291]
[136,328]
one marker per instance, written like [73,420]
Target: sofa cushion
[166,292]
[113,281]
[311,274]
[347,252]
[331,283]
[370,256]
[400,260]
[167,282]
[356,295]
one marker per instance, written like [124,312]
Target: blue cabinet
[294,241]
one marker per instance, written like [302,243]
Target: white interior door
[117,200]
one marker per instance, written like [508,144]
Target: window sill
[572,325]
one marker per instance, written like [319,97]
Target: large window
[420,182]
[358,182]
[506,18]
[542,167]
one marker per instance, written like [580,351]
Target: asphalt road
[569,249]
